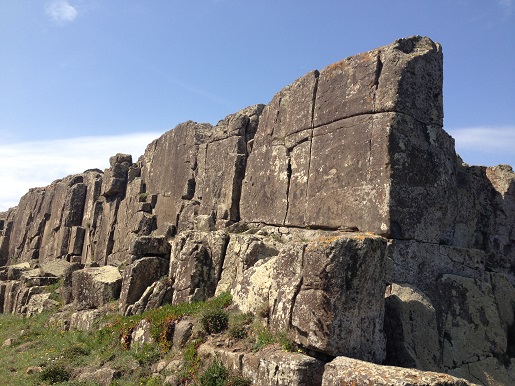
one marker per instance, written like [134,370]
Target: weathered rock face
[197,169]
[317,291]
[196,264]
[94,287]
[347,371]
[324,142]
[138,277]
[261,205]
[269,367]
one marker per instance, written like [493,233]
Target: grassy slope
[39,342]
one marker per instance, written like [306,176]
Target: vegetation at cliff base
[40,351]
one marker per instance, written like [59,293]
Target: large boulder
[472,327]
[412,338]
[138,276]
[271,366]
[317,290]
[95,286]
[348,371]
[196,263]
[323,154]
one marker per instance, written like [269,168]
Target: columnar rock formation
[340,207]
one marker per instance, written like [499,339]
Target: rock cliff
[340,207]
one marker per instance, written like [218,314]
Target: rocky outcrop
[93,287]
[271,366]
[347,371]
[340,211]
[318,290]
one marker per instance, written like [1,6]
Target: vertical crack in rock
[288,176]
[369,160]
[110,239]
[222,260]
[377,75]
[313,105]
[297,288]
[200,194]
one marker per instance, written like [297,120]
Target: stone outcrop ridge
[340,208]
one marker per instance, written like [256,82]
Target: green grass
[61,354]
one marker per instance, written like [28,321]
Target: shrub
[264,337]
[54,374]
[214,375]
[238,325]
[191,361]
[286,342]
[218,375]
[263,311]
[76,350]
[214,320]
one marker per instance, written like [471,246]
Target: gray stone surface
[270,366]
[412,338]
[348,371]
[94,287]
[316,290]
[472,327]
[141,335]
[138,276]
[357,146]
[276,367]
[196,263]
[103,377]
[85,320]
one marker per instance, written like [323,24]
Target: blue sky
[81,80]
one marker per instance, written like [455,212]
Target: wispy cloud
[485,145]
[61,11]
[27,165]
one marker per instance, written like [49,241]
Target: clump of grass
[264,337]
[214,320]
[238,381]
[38,342]
[239,325]
[214,375]
[191,361]
[147,354]
[218,375]
[286,342]
[54,374]
[263,311]
[75,350]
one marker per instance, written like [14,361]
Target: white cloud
[485,145]
[61,11]
[27,165]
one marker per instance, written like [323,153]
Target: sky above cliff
[81,80]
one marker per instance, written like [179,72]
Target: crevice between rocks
[313,105]
[297,288]
[288,176]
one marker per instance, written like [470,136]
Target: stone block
[94,287]
[315,290]
[412,338]
[138,276]
[348,371]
